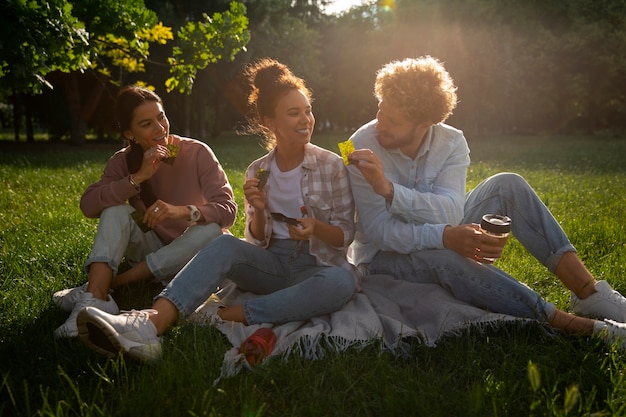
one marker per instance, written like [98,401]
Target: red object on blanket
[258,345]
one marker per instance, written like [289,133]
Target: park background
[542,94]
[522,66]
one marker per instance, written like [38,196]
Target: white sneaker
[604,303]
[612,332]
[131,333]
[65,299]
[69,328]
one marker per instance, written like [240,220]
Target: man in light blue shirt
[416,222]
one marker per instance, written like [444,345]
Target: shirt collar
[428,141]
[310,159]
[309,162]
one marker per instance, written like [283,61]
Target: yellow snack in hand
[346,148]
[173,153]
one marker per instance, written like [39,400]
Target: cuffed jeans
[292,285]
[119,237]
[481,285]
[532,223]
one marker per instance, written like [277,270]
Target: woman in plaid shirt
[299,224]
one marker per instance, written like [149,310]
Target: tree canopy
[521,66]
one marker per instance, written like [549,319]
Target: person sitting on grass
[298,228]
[416,222]
[179,199]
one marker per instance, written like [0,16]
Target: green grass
[44,240]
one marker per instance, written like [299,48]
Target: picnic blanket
[387,309]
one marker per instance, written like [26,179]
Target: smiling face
[149,126]
[293,119]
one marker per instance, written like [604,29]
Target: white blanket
[386,309]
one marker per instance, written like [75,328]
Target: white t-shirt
[285,197]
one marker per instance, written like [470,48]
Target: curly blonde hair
[421,87]
[268,80]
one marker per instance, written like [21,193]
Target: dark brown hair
[128,99]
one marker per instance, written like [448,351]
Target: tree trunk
[217,125]
[83,92]
[187,115]
[28,115]
[16,115]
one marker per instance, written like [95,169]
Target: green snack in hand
[173,153]
[137,216]
[346,148]
[262,175]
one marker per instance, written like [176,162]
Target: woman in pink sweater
[160,200]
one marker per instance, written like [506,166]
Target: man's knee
[507,181]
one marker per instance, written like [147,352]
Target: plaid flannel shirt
[326,193]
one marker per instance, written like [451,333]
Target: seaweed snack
[346,148]
[280,217]
[262,175]
[173,153]
[137,216]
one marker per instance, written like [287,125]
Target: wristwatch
[194,214]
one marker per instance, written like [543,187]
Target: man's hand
[371,168]
[469,241]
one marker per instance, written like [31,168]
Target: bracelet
[133,183]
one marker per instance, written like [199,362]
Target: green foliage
[521,66]
[206,42]
[66,36]
[39,37]
[74,35]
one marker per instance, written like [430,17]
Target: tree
[83,42]
[203,42]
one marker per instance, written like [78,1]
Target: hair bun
[269,73]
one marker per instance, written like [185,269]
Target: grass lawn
[512,370]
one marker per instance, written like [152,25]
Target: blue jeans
[532,223]
[292,285]
[483,286]
[118,237]
[486,286]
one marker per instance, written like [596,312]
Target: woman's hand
[309,227]
[255,197]
[160,211]
[467,240]
[150,163]
[304,230]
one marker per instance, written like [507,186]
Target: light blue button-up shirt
[429,194]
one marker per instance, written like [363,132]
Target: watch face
[195,214]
